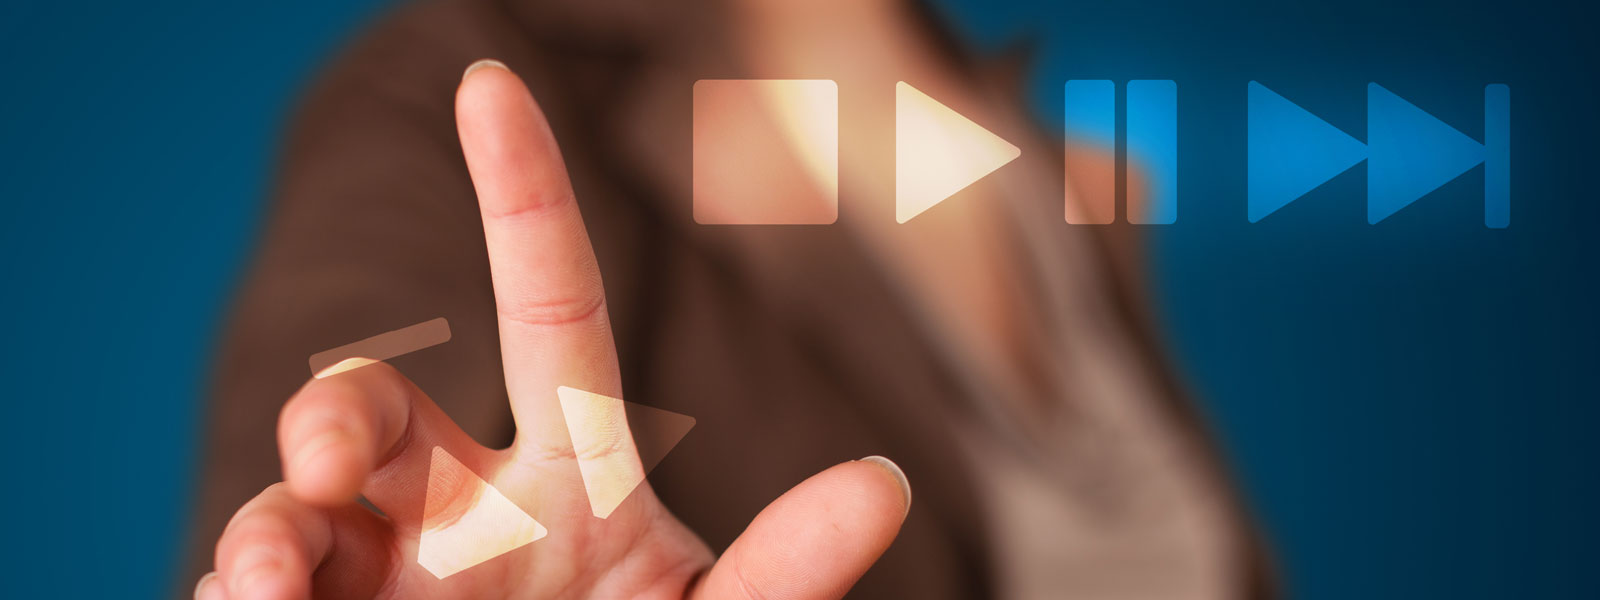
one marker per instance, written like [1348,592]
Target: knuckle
[540,453]
[256,525]
[597,447]
[603,445]
[265,527]
[535,204]
[311,420]
[553,312]
[315,397]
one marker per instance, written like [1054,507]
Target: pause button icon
[1150,132]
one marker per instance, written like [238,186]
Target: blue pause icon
[1150,133]
[1409,153]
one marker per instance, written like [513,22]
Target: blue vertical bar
[1091,124]
[1497,155]
[1152,137]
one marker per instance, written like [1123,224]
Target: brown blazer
[786,345]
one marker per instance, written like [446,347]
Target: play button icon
[938,152]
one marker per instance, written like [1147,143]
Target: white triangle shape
[938,152]
[617,443]
[466,520]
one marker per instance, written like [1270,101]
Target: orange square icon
[766,152]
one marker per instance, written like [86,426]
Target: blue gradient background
[1408,405]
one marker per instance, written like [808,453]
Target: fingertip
[896,474]
[326,453]
[483,63]
[210,588]
[869,496]
[818,538]
[329,469]
[487,85]
[503,131]
[332,433]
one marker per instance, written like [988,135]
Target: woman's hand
[370,432]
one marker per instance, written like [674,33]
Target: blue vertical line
[1091,120]
[1497,155]
[1152,138]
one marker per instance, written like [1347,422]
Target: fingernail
[348,364]
[206,588]
[899,475]
[487,62]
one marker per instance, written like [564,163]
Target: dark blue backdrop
[1407,404]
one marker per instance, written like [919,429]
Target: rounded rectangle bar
[383,346]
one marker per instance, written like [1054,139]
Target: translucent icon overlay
[381,347]
[766,152]
[617,443]
[1409,153]
[1091,120]
[938,152]
[467,521]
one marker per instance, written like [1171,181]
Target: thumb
[818,538]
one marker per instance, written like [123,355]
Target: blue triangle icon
[1411,153]
[1291,152]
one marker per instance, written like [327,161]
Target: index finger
[552,316]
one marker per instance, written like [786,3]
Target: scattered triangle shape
[938,152]
[656,431]
[1290,152]
[617,443]
[1411,152]
[467,521]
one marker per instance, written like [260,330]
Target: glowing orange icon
[938,152]
[766,152]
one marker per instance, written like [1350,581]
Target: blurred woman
[1000,356]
